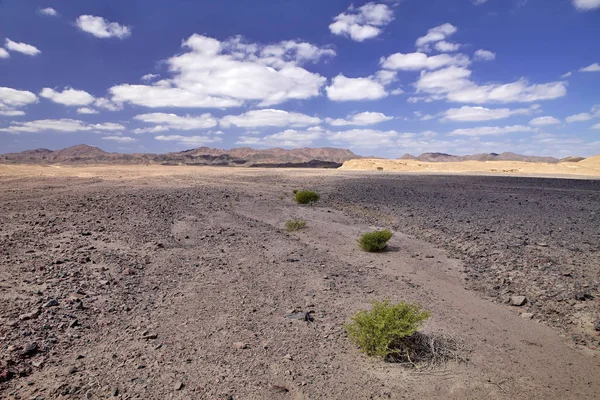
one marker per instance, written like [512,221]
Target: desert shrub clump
[381,330]
[375,241]
[295,225]
[307,197]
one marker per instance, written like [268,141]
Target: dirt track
[164,269]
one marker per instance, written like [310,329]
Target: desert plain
[174,282]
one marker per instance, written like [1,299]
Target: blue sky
[380,78]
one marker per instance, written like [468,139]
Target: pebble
[240,345]
[51,303]
[518,301]
[527,315]
[179,385]
[28,316]
[288,357]
[30,349]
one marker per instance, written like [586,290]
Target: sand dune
[589,167]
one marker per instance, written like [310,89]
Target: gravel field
[174,283]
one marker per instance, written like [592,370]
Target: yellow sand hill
[589,167]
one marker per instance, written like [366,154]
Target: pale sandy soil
[165,268]
[589,168]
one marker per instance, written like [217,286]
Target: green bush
[295,224]
[375,241]
[379,332]
[307,197]
[295,191]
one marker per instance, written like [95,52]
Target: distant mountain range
[323,157]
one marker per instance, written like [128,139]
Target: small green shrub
[380,331]
[295,225]
[307,197]
[295,191]
[375,241]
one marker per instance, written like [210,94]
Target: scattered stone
[597,326]
[527,315]
[240,345]
[51,303]
[518,301]
[148,336]
[31,315]
[279,389]
[288,357]
[30,349]
[103,282]
[73,370]
[179,385]
[580,296]
[74,323]
[12,323]
[38,363]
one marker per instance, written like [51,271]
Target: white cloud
[586,5]
[4,53]
[591,68]
[361,119]
[164,122]
[568,74]
[479,2]
[269,117]
[436,34]
[218,74]
[453,84]
[149,77]
[597,126]
[471,114]
[490,130]
[447,47]
[362,23]
[542,121]
[11,99]
[48,11]
[120,139]
[107,104]
[60,125]
[347,89]
[101,28]
[86,110]
[365,138]
[68,97]
[420,61]
[189,140]
[23,48]
[287,138]
[484,55]
[586,116]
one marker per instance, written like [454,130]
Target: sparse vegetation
[295,225]
[379,168]
[307,197]
[295,191]
[375,241]
[380,331]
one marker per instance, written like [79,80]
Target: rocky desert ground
[155,282]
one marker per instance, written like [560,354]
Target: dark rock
[30,349]
[51,303]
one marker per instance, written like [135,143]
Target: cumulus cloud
[447,47]
[366,138]
[366,22]
[164,122]
[597,126]
[86,110]
[269,117]
[420,61]
[217,74]
[566,75]
[591,68]
[361,119]
[434,35]
[542,121]
[490,130]
[12,99]
[472,114]
[68,97]
[107,104]
[149,77]
[479,2]
[23,48]
[48,11]
[120,139]
[585,116]
[4,53]
[189,140]
[348,89]
[60,125]
[453,83]
[101,28]
[289,138]
[484,55]
[586,5]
